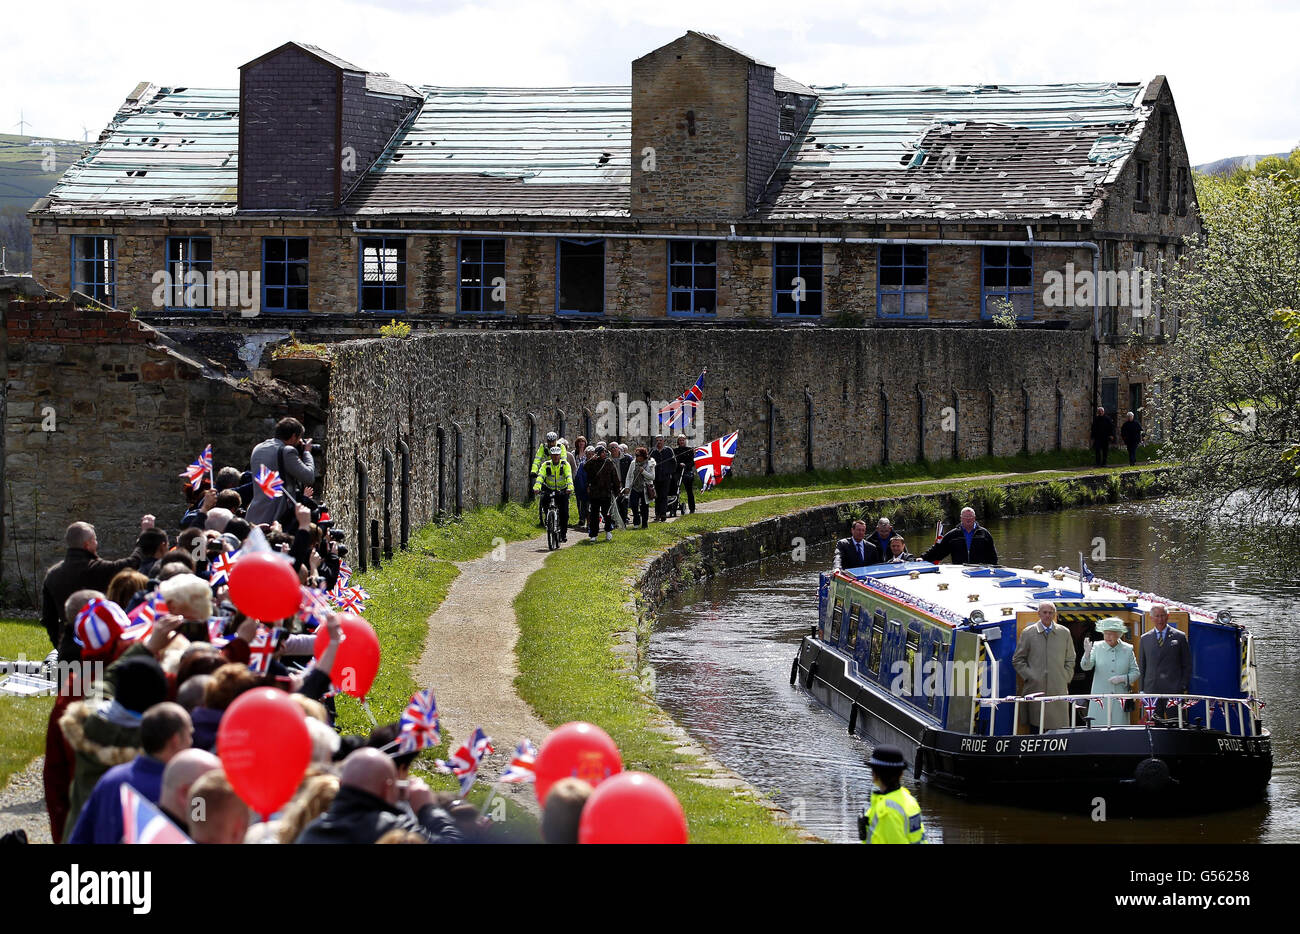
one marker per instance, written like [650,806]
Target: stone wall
[468,383]
[101,415]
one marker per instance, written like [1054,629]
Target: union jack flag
[464,761]
[201,468]
[263,648]
[350,599]
[713,461]
[938,532]
[345,571]
[148,611]
[142,822]
[269,482]
[1149,708]
[419,723]
[679,413]
[522,767]
[313,609]
[217,631]
[219,569]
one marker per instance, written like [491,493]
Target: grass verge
[22,735]
[571,611]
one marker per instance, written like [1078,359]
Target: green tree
[1228,389]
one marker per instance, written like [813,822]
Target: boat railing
[1247,709]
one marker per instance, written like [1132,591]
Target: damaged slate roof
[552,151]
[983,151]
[875,154]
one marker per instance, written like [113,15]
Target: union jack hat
[99,624]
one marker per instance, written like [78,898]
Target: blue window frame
[580,277]
[284,273]
[482,274]
[382,283]
[189,263]
[1008,272]
[692,277]
[797,280]
[94,268]
[903,282]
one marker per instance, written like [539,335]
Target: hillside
[1224,166]
[29,167]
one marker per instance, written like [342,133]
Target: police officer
[543,449]
[893,816]
[557,477]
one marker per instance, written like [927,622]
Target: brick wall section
[380,388]
[129,412]
[288,155]
[699,174]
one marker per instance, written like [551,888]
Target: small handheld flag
[201,468]
[523,765]
[142,822]
[938,532]
[465,760]
[418,728]
[269,482]
[679,413]
[263,648]
[713,461]
[220,568]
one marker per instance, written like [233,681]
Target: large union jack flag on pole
[679,413]
[713,461]
[464,761]
[142,822]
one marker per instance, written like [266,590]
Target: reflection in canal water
[722,650]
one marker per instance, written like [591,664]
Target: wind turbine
[21,123]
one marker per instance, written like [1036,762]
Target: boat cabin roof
[951,592]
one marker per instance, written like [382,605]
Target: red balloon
[265,586]
[633,808]
[356,662]
[576,750]
[264,747]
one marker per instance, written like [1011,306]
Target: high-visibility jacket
[894,817]
[556,477]
[543,455]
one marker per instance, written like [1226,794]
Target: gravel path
[22,804]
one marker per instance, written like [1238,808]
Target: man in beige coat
[1044,658]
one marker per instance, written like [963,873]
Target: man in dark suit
[1164,659]
[969,543]
[1131,434]
[1102,433]
[855,551]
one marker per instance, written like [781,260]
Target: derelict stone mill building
[554,247]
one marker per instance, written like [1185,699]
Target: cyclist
[543,449]
[557,479]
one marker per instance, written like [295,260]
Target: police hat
[887,757]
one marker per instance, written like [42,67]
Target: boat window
[939,654]
[837,619]
[855,623]
[877,644]
[913,646]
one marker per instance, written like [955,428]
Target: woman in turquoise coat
[1114,671]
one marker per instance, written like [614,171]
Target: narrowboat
[920,656]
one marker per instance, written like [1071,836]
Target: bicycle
[550,519]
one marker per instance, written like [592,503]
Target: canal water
[721,653]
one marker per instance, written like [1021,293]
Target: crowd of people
[151,653]
[615,483]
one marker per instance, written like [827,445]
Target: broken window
[284,273]
[383,274]
[797,279]
[1142,187]
[1164,162]
[94,268]
[189,265]
[580,279]
[902,282]
[1008,275]
[482,274]
[692,277]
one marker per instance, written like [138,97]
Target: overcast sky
[1234,74]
